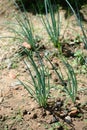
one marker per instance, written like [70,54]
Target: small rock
[69,103]
[55,119]
[12,75]
[1,93]
[0,116]
[55,78]
[63,113]
[25,112]
[33,116]
[85,108]
[4,118]
[38,124]
[73,113]
[23,70]
[48,113]
[26,45]
[46,53]
[15,84]
[77,98]
[56,64]
[1,99]
[28,113]
[68,119]
[78,103]
[11,108]
[3,57]
[21,123]
[44,114]
[84,128]
[73,108]
[14,128]
[57,105]
[9,63]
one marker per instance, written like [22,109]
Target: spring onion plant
[39,88]
[70,86]
[52,24]
[23,28]
[78,18]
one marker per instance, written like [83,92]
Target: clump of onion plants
[51,22]
[70,86]
[23,28]
[39,86]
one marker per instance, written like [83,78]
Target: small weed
[78,39]
[85,120]
[14,65]
[17,116]
[80,62]
[56,126]
[2,67]
[84,69]
[79,57]
[5,127]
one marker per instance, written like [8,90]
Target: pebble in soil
[68,119]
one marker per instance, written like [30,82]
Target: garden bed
[18,109]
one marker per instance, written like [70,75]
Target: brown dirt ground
[18,111]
